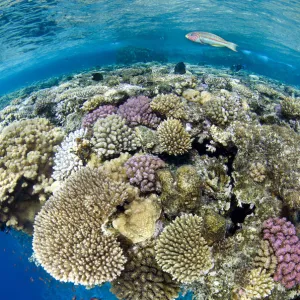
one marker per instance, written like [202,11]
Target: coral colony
[158,181]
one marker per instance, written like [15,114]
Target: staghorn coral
[111,136]
[259,285]
[180,192]
[137,111]
[26,150]
[138,221]
[169,105]
[67,160]
[265,258]
[282,236]
[141,171]
[182,251]
[99,113]
[173,138]
[143,279]
[68,241]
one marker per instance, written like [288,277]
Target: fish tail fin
[232,46]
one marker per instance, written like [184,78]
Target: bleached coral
[66,161]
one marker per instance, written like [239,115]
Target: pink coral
[282,236]
[137,111]
[101,112]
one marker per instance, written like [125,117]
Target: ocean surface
[44,39]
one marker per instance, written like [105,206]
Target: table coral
[173,138]
[112,136]
[182,251]
[137,111]
[141,171]
[68,241]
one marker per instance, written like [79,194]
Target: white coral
[66,161]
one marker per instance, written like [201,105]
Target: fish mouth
[187,36]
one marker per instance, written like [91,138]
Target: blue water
[45,38]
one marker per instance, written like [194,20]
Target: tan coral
[192,95]
[143,279]
[266,258]
[173,138]
[169,105]
[137,223]
[257,171]
[182,251]
[68,241]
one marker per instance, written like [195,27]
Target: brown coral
[68,241]
[143,278]
[182,251]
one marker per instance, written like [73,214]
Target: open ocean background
[40,39]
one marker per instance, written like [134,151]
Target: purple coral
[137,111]
[286,245]
[141,171]
[99,113]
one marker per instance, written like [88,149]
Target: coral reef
[141,171]
[173,138]
[111,136]
[182,251]
[282,236]
[143,279]
[137,111]
[213,153]
[68,241]
[99,113]
[169,105]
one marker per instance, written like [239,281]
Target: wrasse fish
[210,39]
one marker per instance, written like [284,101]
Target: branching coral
[169,105]
[141,171]
[173,138]
[26,150]
[266,258]
[99,113]
[143,278]
[68,241]
[182,251]
[282,236]
[137,111]
[112,136]
[67,160]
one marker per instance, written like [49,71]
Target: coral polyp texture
[112,136]
[169,105]
[137,111]
[68,241]
[143,279]
[173,139]
[182,251]
[282,236]
[99,113]
[141,171]
[158,181]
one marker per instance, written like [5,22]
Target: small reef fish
[210,39]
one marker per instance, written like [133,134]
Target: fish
[210,39]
